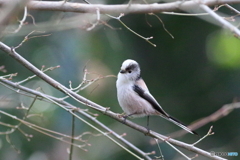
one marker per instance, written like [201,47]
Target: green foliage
[223,50]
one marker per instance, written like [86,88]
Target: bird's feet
[124,116]
[148,131]
[121,115]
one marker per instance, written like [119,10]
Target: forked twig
[97,21]
[208,134]
[21,22]
[26,38]
[162,24]
[33,76]
[145,38]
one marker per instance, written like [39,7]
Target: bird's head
[130,71]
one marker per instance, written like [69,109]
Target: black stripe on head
[132,67]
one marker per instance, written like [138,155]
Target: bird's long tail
[178,123]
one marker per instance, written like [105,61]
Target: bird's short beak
[122,71]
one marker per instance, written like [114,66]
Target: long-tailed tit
[135,98]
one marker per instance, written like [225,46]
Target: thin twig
[46,132]
[9,75]
[185,14]
[160,151]
[26,38]
[97,20]
[162,24]
[21,22]
[208,134]
[97,129]
[233,9]
[180,152]
[72,140]
[33,76]
[9,10]
[145,38]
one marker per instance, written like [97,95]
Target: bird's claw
[148,131]
[125,118]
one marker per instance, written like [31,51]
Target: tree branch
[99,108]
[68,106]
[192,6]
[122,8]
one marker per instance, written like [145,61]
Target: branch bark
[100,108]
[193,6]
[122,8]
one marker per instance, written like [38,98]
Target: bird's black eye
[129,71]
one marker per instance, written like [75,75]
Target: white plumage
[134,96]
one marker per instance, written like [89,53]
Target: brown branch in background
[222,112]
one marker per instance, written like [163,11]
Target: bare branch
[145,38]
[68,107]
[210,132]
[222,112]
[230,7]
[21,22]
[26,38]
[125,8]
[98,107]
[97,21]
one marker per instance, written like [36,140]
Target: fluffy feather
[134,96]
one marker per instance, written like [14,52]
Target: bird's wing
[141,89]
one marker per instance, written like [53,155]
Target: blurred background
[191,76]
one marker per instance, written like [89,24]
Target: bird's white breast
[131,102]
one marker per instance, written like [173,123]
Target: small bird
[135,98]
